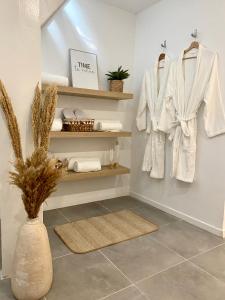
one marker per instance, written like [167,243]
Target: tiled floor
[178,262]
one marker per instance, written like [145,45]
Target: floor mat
[98,232]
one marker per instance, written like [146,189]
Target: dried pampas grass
[36,116]
[11,121]
[37,176]
[43,112]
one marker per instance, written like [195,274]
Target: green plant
[120,74]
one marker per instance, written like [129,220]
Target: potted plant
[116,79]
[37,177]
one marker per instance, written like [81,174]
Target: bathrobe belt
[154,124]
[179,130]
[182,124]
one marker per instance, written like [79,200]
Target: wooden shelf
[97,94]
[93,134]
[105,172]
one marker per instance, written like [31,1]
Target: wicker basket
[79,125]
[116,85]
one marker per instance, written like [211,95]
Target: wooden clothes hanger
[162,56]
[194,45]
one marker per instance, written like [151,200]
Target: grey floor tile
[186,239]
[154,215]
[183,282]
[78,212]
[53,217]
[120,203]
[213,262]
[5,290]
[85,277]
[141,257]
[130,293]
[58,248]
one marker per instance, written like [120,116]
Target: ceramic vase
[32,268]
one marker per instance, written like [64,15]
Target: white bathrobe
[190,83]
[149,110]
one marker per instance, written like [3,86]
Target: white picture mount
[84,69]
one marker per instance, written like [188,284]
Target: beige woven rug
[94,233]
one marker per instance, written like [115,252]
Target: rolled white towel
[57,125]
[68,114]
[87,166]
[72,160]
[47,78]
[110,126]
[96,124]
[80,114]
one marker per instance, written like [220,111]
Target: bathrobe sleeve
[143,114]
[214,113]
[168,114]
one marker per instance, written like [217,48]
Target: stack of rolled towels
[108,125]
[47,78]
[84,164]
[77,114]
[99,125]
[68,115]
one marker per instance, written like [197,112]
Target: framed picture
[84,69]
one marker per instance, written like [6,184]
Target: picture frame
[84,69]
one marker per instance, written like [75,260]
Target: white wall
[20,71]
[48,8]
[202,202]
[109,32]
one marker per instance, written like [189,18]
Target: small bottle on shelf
[114,156]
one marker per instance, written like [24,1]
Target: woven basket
[79,125]
[116,85]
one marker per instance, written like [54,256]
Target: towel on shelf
[80,114]
[110,125]
[47,78]
[87,166]
[71,162]
[68,114]
[57,125]
[90,164]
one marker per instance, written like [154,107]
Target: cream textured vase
[32,268]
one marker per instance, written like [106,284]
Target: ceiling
[133,6]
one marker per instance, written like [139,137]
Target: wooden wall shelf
[97,94]
[93,134]
[105,172]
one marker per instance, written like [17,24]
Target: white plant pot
[32,268]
